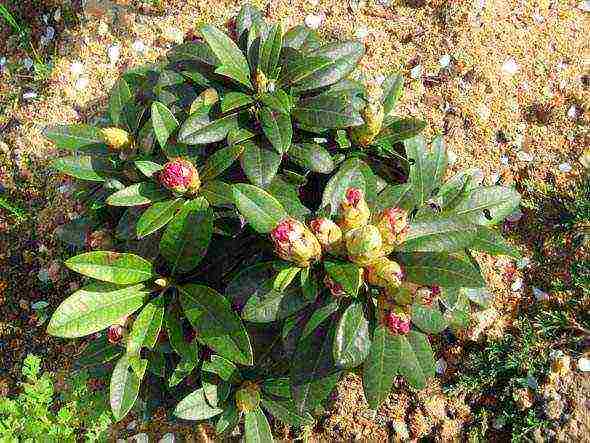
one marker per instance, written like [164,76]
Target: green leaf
[288,195]
[217,326]
[79,138]
[352,173]
[327,111]
[195,407]
[95,307]
[270,51]
[488,205]
[458,313]
[286,411]
[260,209]
[239,135]
[256,427]
[344,57]
[187,237]
[138,194]
[318,316]
[148,168]
[398,130]
[113,267]
[313,374]
[277,128]
[395,196]
[393,88]
[97,352]
[124,388]
[146,327]
[268,304]
[300,67]
[440,269]
[347,274]
[458,188]
[248,17]
[416,359]
[200,129]
[489,240]
[234,100]
[233,62]
[381,366]
[197,54]
[426,168]
[277,387]
[352,341]
[182,370]
[228,419]
[301,37]
[284,278]
[223,368]
[259,163]
[84,167]
[445,234]
[187,351]
[312,156]
[428,318]
[163,122]
[156,216]
[218,193]
[121,105]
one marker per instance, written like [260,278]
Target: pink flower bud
[354,211]
[393,225]
[397,324]
[295,243]
[364,245]
[384,273]
[180,176]
[328,234]
[115,334]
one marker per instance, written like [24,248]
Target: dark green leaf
[416,359]
[124,388]
[286,411]
[223,368]
[200,129]
[113,267]
[312,156]
[235,100]
[352,173]
[398,130]
[428,318]
[261,210]
[228,419]
[489,240]
[395,196]
[217,193]
[393,88]
[288,195]
[301,37]
[219,161]
[381,366]
[146,327]
[156,216]
[195,407]
[163,122]
[148,168]
[268,304]
[440,269]
[346,274]
[327,111]
[277,128]
[256,427]
[259,163]
[352,341]
[80,138]
[138,194]
[489,205]
[84,167]
[270,51]
[318,316]
[444,234]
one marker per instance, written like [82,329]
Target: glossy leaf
[440,269]
[156,216]
[427,167]
[200,129]
[327,111]
[395,196]
[256,427]
[428,318]
[223,368]
[288,195]
[393,88]
[228,419]
[195,407]
[270,50]
[113,267]
[163,122]
[234,100]
[95,307]
[346,274]
[352,173]
[260,209]
[259,163]
[147,167]
[268,304]
[488,205]
[217,326]
[121,104]
[381,366]
[490,240]
[124,388]
[277,128]
[352,341]
[80,138]
[84,167]
[138,194]
[146,327]
[416,359]
[318,316]
[444,234]
[219,161]
[286,411]
[398,130]
[312,156]
[218,193]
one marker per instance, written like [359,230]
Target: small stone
[29,95]
[584,364]
[565,167]
[50,33]
[524,156]
[441,366]
[362,32]
[28,63]
[2,62]
[103,29]
[43,275]
[167,438]
[314,21]
[416,72]
[495,177]
[504,160]
[132,425]
[523,263]
[57,15]
[584,5]
[76,68]
[515,216]
[538,18]
[173,34]
[314,3]
[517,285]
[484,112]
[114,52]
[139,46]
[445,61]
[540,295]
[82,83]
[572,112]
[320,141]
[451,157]
[380,79]
[510,67]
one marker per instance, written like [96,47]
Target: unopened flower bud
[115,334]
[161,282]
[397,323]
[384,273]
[295,243]
[180,176]
[261,81]
[364,245]
[335,288]
[328,234]
[116,139]
[373,115]
[393,226]
[354,211]
[248,397]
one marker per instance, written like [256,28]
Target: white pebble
[139,46]
[50,33]
[43,275]
[584,5]
[504,160]
[538,18]
[314,3]
[57,15]
[441,366]
[380,79]
[540,295]
[320,140]
[572,112]
[2,61]
[484,112]
[445,61]
[314,21]
[76,68]
[515,216]
[523,263]
[82,83]
[510,67]
[114,52]
[416,72]
[362,32]
[524,156]
[29,95]
[584,364]
[28,63]
[495,178]
[565,167]
[451,157]
[517,285]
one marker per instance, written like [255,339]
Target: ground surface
[506,81]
